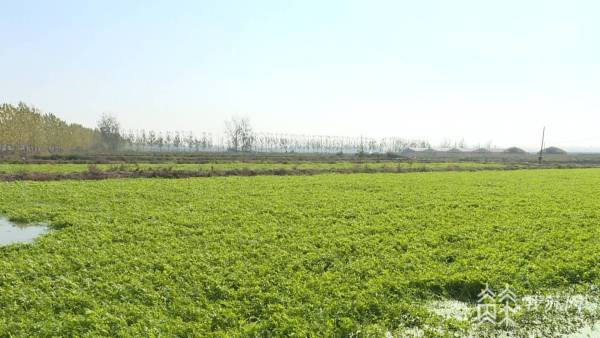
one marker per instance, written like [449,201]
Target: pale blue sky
[482,70]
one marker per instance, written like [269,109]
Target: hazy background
[478,70]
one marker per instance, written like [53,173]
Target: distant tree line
[181,141]
[24,130]
[142,140]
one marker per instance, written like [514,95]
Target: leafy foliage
[25,130]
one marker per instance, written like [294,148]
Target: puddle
[11,232]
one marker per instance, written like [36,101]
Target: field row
[73,168]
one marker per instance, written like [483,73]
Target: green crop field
[77,167]
[325,255]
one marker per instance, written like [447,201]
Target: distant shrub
[554,151]
[117,167]
[93,169]
[481,150]
[514,150]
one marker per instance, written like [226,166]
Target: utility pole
[542,147]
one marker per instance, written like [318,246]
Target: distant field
[70,167]
[326,255]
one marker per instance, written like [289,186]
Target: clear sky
[482,70]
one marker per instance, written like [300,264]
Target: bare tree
[240,135]
[110,131]
[142,138]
